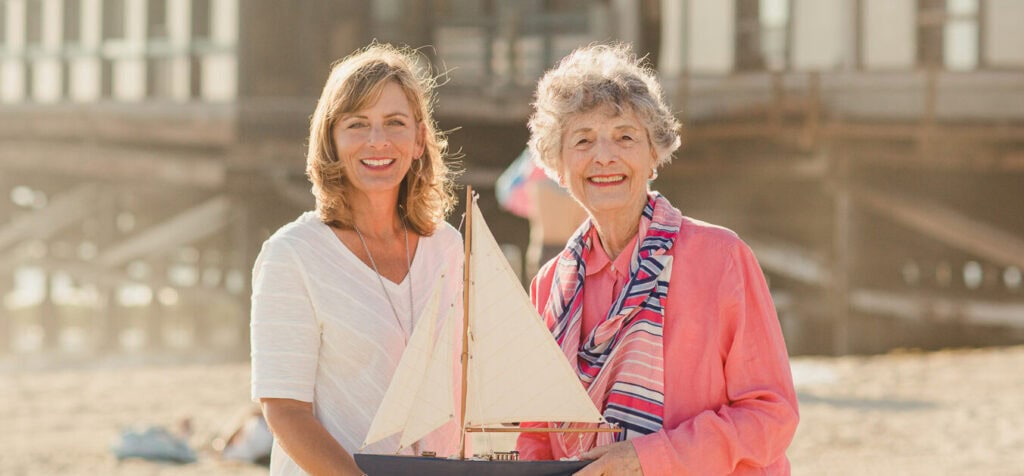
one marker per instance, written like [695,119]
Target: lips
[381,162]
[606,179]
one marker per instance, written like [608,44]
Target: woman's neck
[376,217]
[616,230]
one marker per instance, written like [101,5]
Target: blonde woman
[337,292]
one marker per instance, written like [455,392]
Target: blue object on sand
[154,443]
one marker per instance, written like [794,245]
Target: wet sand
[954,412]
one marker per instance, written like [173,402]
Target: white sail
[516,370]
[412,403]
[435,402]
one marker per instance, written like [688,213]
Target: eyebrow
[363,116]
[616,128]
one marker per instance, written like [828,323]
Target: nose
[604,151]
[377,136]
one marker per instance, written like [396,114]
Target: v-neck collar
[367,269]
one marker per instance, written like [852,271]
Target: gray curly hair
[599,75]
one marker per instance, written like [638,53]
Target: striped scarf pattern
[621,361]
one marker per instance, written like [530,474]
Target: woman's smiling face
[606,161]
[377,144]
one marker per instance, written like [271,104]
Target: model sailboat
[512,371]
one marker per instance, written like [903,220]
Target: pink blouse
[730,406]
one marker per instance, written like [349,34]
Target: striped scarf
[621,361]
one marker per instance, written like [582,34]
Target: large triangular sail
[516,370]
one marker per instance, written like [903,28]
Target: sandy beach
[953,412]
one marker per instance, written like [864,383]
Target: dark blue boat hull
[385,465]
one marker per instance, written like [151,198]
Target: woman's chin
[615,207]
[378,184]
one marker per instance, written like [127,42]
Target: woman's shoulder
[306,228]
[709,242]
[703,233]
[445,236]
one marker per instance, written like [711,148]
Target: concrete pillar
[888,39]
[48,315]
[110,320]
[110,323]
[6,284]
[156,313]
[839,286]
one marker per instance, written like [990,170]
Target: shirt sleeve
[284,330]
[757,424]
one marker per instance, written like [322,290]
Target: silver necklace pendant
[380,279]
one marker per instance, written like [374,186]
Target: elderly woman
[667,320]
[337,292]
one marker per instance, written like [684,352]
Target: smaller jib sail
[420,397]
[516,370]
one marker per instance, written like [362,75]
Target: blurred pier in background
[870,151]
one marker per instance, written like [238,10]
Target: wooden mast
[465,316]
[465,350]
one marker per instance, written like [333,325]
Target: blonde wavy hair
[426,194]
[594,76]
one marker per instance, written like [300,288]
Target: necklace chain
[408,264]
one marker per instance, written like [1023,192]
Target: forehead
[390,99]
[602,118]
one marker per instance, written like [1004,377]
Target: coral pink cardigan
[730,406]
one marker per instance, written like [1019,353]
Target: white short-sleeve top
[323,330]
